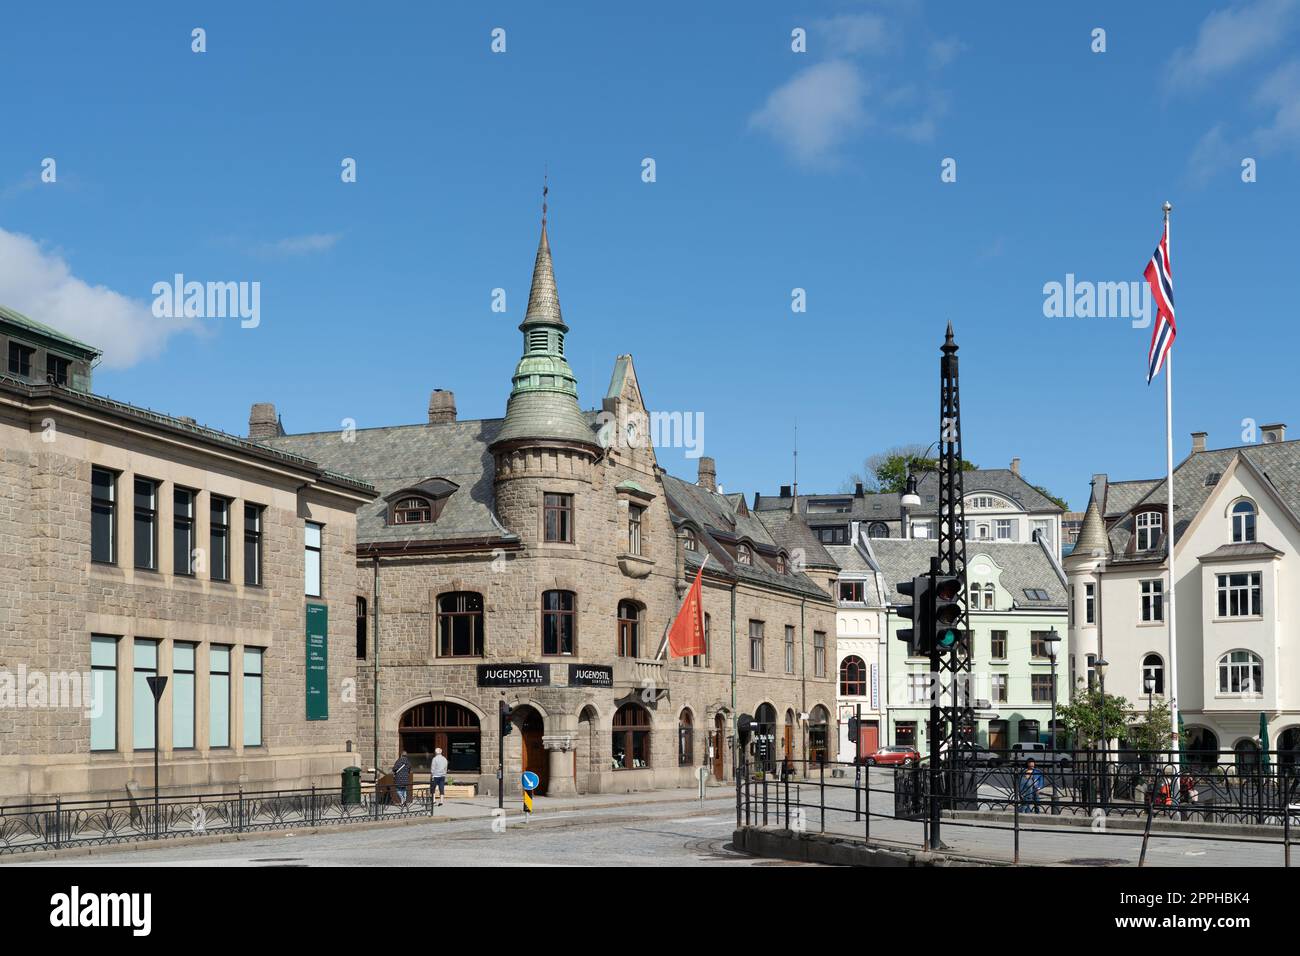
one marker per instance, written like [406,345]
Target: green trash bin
[351,784]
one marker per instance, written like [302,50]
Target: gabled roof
[792,533]
[41,331]
[1024,565]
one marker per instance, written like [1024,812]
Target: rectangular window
[905,733]
[999,688]
[1003,529]
[918,688]
[183,531]
[558,518]
[834,534]
[998,645]
[103,516]
[146,524]
[311,558]
[144,664]
[819,653]
[1153,600]
[559,623]
[253,696]
[253,545]
[219,538]
[103,704]
[20,360]
[182,691]
[1091,670]
[219,696]
[56,369]
[755,645]
[1039,645]
[702,660]
[634,529]
[363,624]
[789,649]
[852,591]
[1040,688]
[1240,595]
[1090,604]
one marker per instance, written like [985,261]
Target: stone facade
[53,598]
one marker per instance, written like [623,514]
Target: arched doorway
[787,739]
[1288,748]
[532,753]
[765,737]
[441,724]
[1202,746]
[586,753]
[1246,755]
[819,735]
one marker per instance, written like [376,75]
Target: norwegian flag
[1159,275]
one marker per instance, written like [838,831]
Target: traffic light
[918,635]
[744,726]
[506,711]
[945,623]
[853,729]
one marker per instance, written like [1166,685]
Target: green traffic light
[948,639]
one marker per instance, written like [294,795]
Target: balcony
[640,673]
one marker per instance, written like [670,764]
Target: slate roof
[792,533]
[403,456]
[1123,495]
[16,318]
[718,519]
[1024,565]
[1245,549]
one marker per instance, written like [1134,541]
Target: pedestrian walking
[1187,794]
[1031,783]
[438,775]
[402,777]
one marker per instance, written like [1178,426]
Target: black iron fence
[71,823]
[1118,793]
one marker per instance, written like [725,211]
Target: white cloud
[1229,38]
[297,245]
[943,52]
[1280,92]
[855,33]
[39,283]
[815,111]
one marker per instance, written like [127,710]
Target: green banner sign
[318,671]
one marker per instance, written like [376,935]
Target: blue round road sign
[529,780]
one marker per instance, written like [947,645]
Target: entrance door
[719,747]
[998,735]
[788,743]
[533,752]
[868,738]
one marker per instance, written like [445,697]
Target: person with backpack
[438,776]
[402,777]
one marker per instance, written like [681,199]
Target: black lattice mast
[953,666]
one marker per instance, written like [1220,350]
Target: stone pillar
[559,751]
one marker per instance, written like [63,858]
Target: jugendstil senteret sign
[514,675]
[590,675]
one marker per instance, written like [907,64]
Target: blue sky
[775,170]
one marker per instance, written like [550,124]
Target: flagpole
[1172,690]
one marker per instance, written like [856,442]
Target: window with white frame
[311,558]
[1240,595]
[1243,522]
[989,592]
[1090,603]
[1149,524]
[1153,674]
[1004,529]
[918,688]
[1241,672]
[1153,600]
[998,687]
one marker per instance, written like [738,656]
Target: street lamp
[1149,683]
[1052,639]
[1101,667]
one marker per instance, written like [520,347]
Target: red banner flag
[686,636]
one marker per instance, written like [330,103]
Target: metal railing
[1118,794]
[71,823]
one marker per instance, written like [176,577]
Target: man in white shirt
[438,775]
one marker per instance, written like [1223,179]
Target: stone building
[536,560]
[135,544]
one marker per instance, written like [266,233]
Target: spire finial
[949,345]
[546,188]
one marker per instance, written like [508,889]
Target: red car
[900,755]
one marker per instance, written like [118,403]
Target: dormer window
[1243,522]
[744,555]
[1149,524]
[780,564]
[690,541]
[413,511]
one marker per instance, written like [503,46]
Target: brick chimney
[1198,441]
[785,491]
[1015,467]
[1273,433]
[858,490]
[263,422]
[442,406]
[708,474]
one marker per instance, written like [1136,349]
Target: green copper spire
[544,397]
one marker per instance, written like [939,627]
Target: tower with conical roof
[546,448]
[1084,567]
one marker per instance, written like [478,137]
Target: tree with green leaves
[886,472]
[1082,717]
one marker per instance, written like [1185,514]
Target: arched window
[780,563]
[1241,672]
[629,629]
[450,727]
[559,623]
[853,677]
[1243,522]
[1153,670]
[1246,755]
[877,529]
[974,597]
[744,555]
[989,592]
[413,511]
[685,738]
[460,624]
[690,541]
[1148,525]
[631,749]
[818,735]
